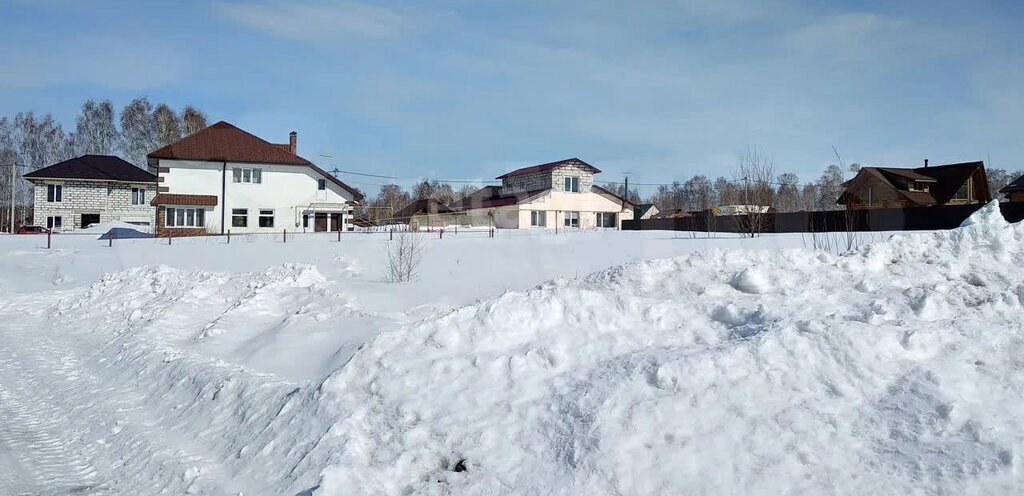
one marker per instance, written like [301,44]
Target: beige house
[559,194]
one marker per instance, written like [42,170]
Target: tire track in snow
[67,431]
[45,456]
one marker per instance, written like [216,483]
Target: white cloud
[122,64]
[306,21]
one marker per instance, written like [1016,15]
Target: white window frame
[244,216]
[538,218]
[321,184]
[602,216]
[247,175]
[570,218]
[55,222]
[572,184]
[184,217]
[138,196]
[54,193]
[263,214]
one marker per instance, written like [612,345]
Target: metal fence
[888,219]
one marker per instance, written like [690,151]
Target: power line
[336,172]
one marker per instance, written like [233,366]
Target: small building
[427,213]
[558,194]
[222,178]
[91,189]
[1014,191]
[890,187]
[645,211]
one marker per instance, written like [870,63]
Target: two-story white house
[90,189]
[558,194]
[224,179]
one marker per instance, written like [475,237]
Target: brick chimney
[293,142]
[925,160]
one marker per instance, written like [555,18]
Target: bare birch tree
[138,131]
[193,120]
[95,132]
[168,125]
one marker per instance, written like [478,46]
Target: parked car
[32,230]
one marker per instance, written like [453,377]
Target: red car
[32,230]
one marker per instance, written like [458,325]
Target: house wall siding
[111,201]
[287,189]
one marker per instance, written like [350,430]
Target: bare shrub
[755,175]
[404,254]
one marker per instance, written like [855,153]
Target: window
[572,184]
[239,217]
[305,221]
[538,218]
[606,219]
[138,196]
[917,186]
[54,223]
[54,193]
[185,217]
[961,194]
[321,184]
[266,217]
[572,219]
[241,175]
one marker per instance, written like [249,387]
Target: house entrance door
[320,222]
[335,222]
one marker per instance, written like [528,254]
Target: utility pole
[14,183]
[625,195]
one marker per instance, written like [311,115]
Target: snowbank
[104,227]
[895,370]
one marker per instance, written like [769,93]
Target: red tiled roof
[225,142]
[194,200]
[549,166]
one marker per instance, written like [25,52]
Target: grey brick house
[91,189]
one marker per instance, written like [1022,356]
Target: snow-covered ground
[580,363]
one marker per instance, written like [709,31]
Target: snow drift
[893,370]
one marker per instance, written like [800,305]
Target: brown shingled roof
[225,142]
[191,200]
[549,166]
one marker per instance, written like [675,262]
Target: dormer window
[917,186]
[572,184]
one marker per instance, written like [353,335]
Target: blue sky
[464,89]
